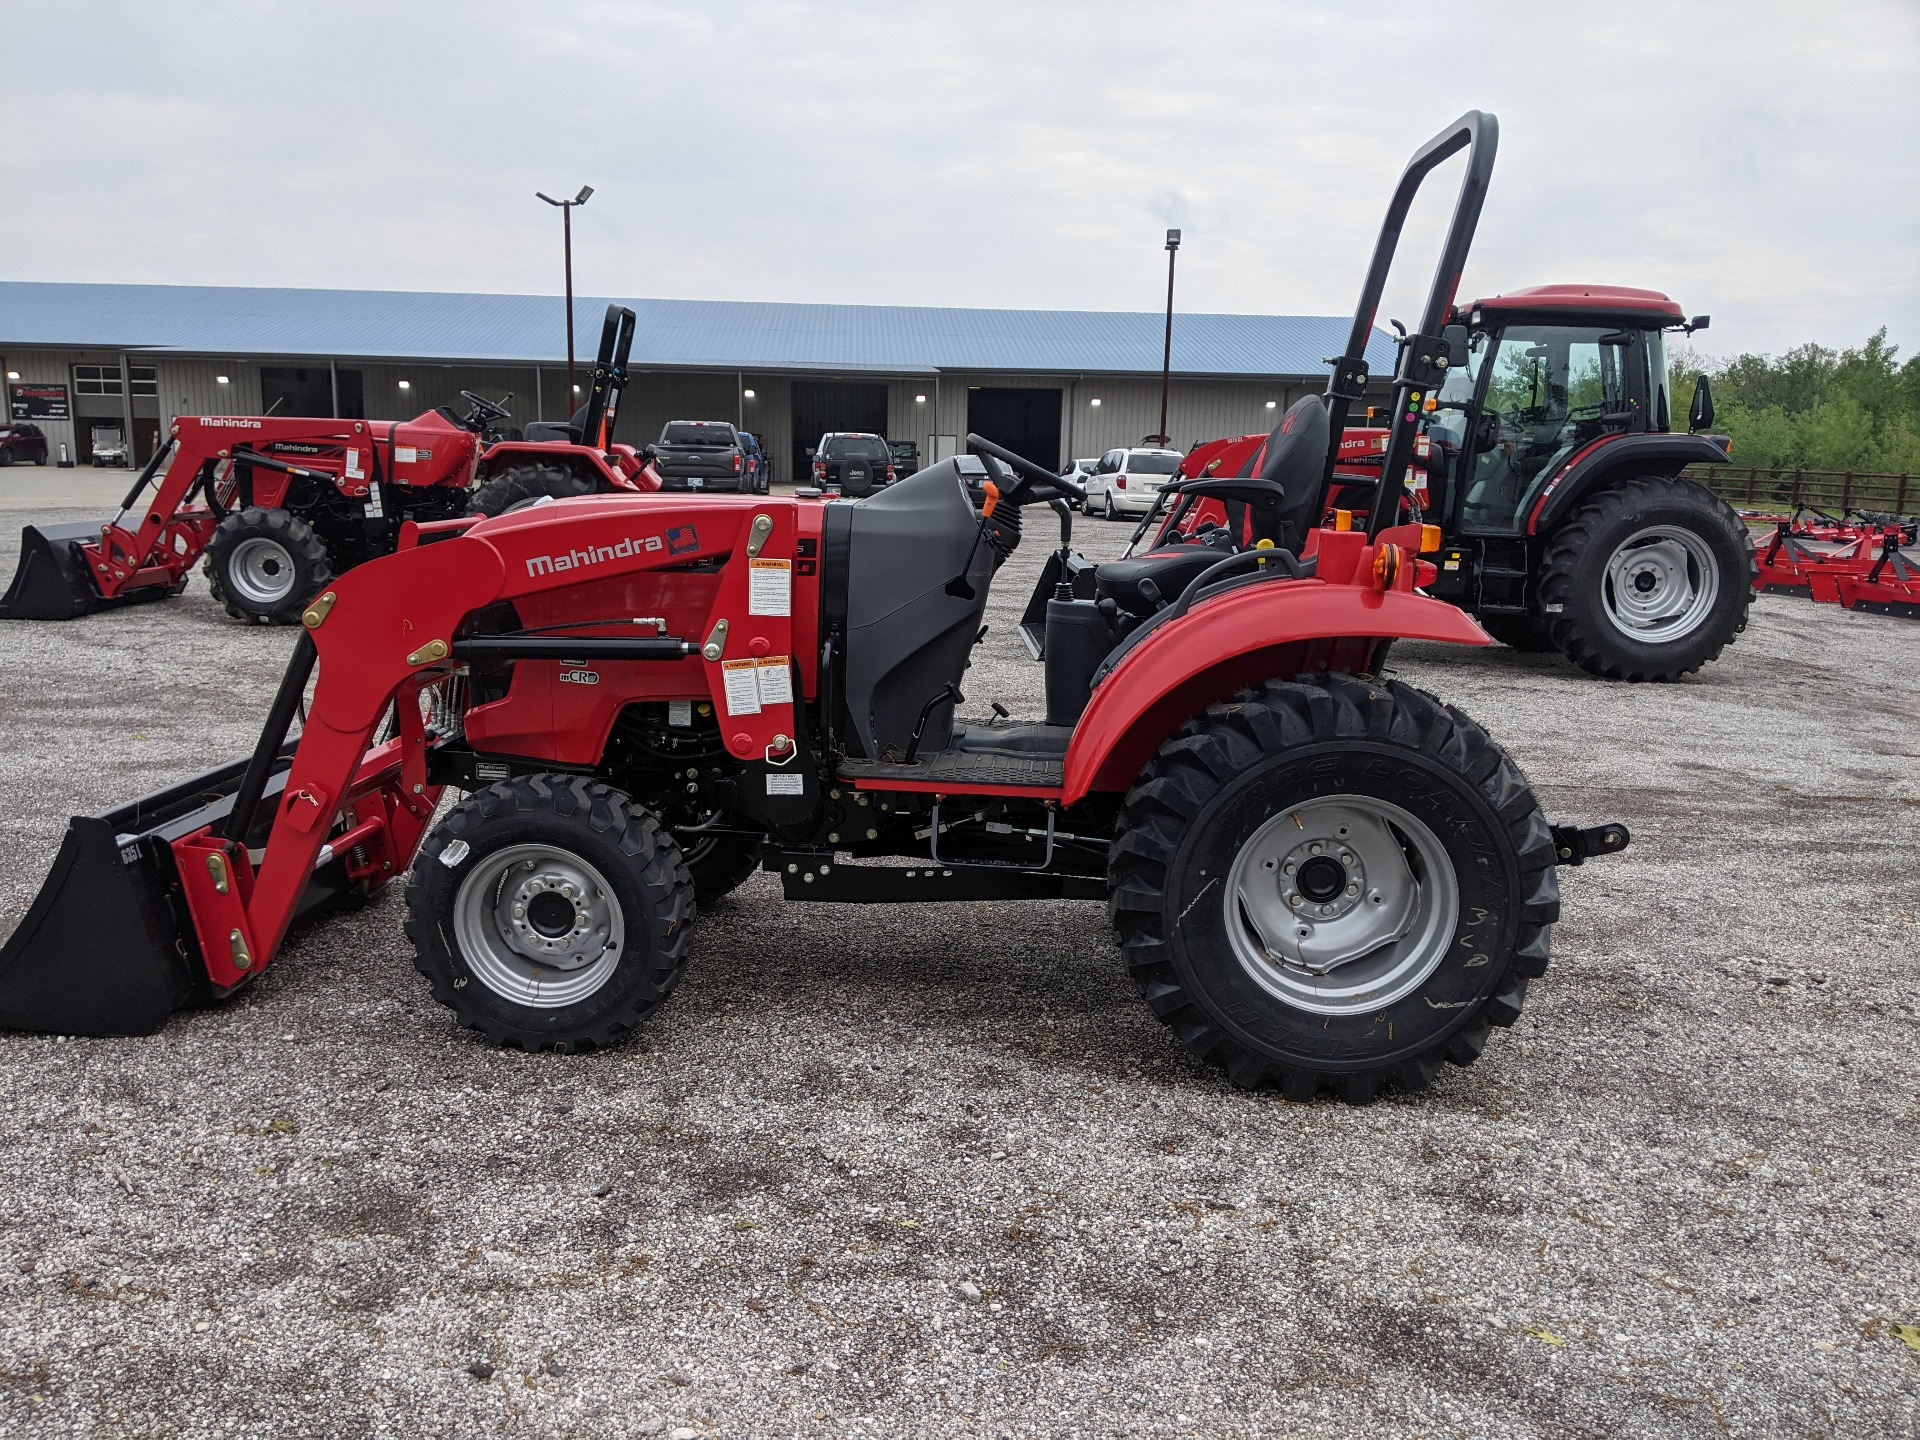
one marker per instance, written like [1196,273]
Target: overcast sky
[1758,161]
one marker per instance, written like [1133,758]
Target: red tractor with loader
[1542,449]
[280,505]
[1318,878]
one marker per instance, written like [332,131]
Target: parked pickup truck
[700,455]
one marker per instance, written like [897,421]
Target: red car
[22,444]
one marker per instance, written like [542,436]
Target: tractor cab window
[1546,392]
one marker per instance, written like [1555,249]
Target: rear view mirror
[1455,337]
[1700,416]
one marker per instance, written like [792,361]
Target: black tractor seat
[1289,466]
[1143,584]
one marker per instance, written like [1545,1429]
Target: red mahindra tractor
[285,503]
[1317,877]
[1542,450]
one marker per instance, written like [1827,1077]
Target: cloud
[1750,159]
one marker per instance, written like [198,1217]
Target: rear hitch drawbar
[1575,846]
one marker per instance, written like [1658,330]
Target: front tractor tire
[1649,580]
[265,565]
[519,486]
[1333,884]
[550,912]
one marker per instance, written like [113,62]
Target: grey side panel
[906,637]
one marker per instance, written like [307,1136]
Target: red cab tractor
[1544,451]
[281,505]
[1317,878]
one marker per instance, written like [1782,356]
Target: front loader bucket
[100,952]
[107,947]
[1076,573]
[52,582]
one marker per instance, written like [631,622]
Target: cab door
[1540,393]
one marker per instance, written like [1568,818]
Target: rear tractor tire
[1649,580]
[520,486]
[1333,884]
[550,912]
[265,565]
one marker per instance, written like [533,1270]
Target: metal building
[1051,384]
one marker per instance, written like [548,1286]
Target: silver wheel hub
[1342,904]
[1660,584]
[538,926]
[261,571]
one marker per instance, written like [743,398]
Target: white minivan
[1125,482]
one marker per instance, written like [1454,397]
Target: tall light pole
[1166,354]
[566,229]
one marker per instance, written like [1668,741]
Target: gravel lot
[873,1173]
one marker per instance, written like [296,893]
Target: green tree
[1813,408]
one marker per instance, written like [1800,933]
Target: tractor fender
[1594,465]
[583,458]
[1295,627]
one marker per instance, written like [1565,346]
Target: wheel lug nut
[1294,900]
[1353,889]
[519,912]
[1315,848]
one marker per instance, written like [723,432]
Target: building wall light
[1093,402]
[221,380]
[1273,404]
[919,399]
[13,374]
[406,384]
[746,395]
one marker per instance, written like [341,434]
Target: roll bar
[609,378]
[1424,356]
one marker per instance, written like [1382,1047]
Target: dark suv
[701,455]
[856,463]
[759,466]
[22,444]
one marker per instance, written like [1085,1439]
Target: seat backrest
[1294,456]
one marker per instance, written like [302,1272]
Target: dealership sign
[27,401]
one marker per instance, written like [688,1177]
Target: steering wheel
[1037,477]
[482,410]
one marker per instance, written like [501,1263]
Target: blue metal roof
[671,334]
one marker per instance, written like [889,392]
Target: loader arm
[391,627]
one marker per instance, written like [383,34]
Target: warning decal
[776,681]
[740,679]
[770,587]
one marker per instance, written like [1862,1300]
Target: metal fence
[1835,491]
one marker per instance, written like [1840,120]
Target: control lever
[959,586]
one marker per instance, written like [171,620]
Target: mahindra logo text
[220,420]
[595,555]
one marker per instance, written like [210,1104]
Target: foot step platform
[958,772]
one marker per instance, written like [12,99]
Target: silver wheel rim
[1354,946]
[538,926]
[1110,506]
[261,571]
[1660,584]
